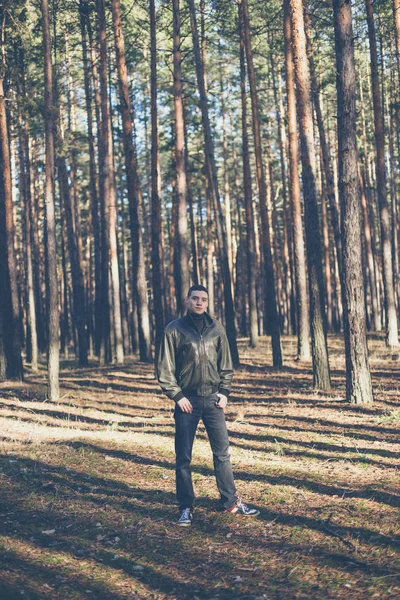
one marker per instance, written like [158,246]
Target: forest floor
[87,506]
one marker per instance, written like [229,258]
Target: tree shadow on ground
[320,422]
[313,444]
[346,434]
[240,475]
[150,536]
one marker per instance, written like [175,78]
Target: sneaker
[186,518]
[242,509]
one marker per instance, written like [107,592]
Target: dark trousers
[185,430]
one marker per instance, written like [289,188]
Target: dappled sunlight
[88,487]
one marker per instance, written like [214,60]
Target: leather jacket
[193,363]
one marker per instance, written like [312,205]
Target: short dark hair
[197,288]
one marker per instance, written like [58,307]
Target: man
[194,369]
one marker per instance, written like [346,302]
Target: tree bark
[358,377]
[69,199]
[53,335]
[392,338]
[396,16]
[196,275]
[134,192]
[326,257]
[32,351]
[227,194]
[287,251]
[209,200]
[303,320]
[156,219]
[38,264]
[326,158]
[180,165]
[12,323]
[271,302]
[108,199]
[10,357]
[78,284]
[14,366]
[213,182]
[369,221]
[248,197]
[369,255]
[94,194]
[313,235]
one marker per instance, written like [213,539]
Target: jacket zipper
[204,363]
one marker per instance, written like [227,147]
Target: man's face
[197,302]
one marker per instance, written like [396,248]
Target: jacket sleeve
[225,369]
[166,366]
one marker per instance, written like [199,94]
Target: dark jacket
[193,363]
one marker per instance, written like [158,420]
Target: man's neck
[196,317]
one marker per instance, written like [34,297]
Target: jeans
[185,430]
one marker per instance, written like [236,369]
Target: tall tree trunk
[123,264]
[12,324]
[239,234]
[326,258]
[287,222]
[396,16]
[94,195]
[227,194]
[156,221]
[78,284]
[65,329]
[392,338]
[134,192]
[391,93]
[69,198]
[369,255]
[213,182]
[210,250]
[248,197]
[109,200]
[38,264]
[326,158]
[303,334]
[10,354]
[209,200]
[53,335]
[313,235]
[181,182]
[105,345]
[271,302]
[74,159]
[3,357]
[369,221]
[32,350]
[193,230]
[358,378]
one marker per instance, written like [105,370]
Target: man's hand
[222,401]
[185,405]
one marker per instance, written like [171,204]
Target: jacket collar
[208,320]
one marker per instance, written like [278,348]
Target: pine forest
[250,147]
[253,148]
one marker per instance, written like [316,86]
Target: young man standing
[194,369]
